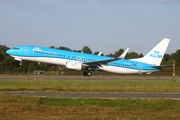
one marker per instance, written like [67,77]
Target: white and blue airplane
[78,61]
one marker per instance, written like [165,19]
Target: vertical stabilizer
[155,56]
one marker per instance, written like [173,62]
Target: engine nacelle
[74,65]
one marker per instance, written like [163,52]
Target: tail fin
[155,56]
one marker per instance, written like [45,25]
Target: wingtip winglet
[122,56]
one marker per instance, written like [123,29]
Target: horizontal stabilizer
[161,66]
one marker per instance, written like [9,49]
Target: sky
[102,25]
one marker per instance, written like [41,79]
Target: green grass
[149,86]
[33,108]
[133,104]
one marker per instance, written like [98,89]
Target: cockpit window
[16,48]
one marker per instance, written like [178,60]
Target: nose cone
[8,51]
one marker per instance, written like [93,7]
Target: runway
[99,95]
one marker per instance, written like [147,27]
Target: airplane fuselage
[78,60]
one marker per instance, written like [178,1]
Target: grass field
[35,108]
[149,86]
[32,108]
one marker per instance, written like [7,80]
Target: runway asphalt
[100,95]
[33,77]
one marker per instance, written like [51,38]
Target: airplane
[88,62]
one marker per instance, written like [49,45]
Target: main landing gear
[87,73]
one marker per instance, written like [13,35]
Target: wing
[99,63]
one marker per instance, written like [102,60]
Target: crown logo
[156,52]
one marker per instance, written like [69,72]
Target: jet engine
[74,65]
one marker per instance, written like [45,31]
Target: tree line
[10,66]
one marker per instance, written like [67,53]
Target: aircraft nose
[8,51]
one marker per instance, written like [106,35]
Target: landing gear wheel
[85,73]
[89,73]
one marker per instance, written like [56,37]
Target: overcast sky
[102,25]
